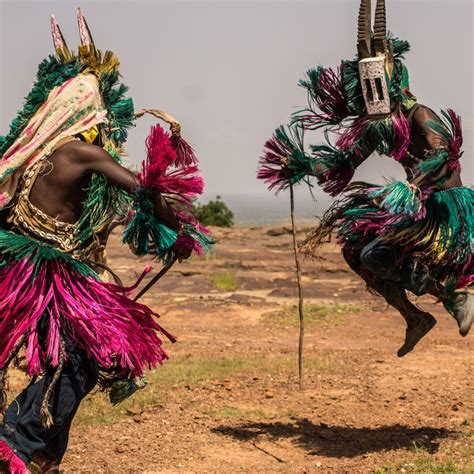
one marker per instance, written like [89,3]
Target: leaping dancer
[416,235]
[61,185]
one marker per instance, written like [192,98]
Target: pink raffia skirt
[39,284]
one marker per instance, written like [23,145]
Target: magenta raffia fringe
[15,464]
[98,316]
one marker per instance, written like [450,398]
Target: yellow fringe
[96,62]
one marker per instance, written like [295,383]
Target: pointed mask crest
[60,46]
[84,31]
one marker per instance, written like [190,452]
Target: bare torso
[61,187]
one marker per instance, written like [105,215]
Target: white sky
[228,69]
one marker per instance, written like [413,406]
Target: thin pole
[300,291]
[153,281]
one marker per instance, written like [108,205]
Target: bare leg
[419,322]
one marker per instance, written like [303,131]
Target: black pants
[22,428]
[382,261]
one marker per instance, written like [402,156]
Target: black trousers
[22,428]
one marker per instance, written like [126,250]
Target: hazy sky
[228,70]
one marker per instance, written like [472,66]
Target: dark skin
[61,187]
[422,139]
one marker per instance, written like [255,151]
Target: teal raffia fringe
[327,104]
[284,162]
[335,167]
[146,234]
[120,390]
[51,73]
[204,242]
[449,131]
[442,241]
[399,197]
[397,88]
[104,201]
[19,247]
[144,229]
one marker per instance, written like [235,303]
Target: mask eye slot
[370,92]
[379,88]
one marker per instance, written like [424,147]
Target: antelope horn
[364,30]
[380,28]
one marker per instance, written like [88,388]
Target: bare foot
[415,333]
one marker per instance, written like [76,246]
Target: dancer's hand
[183,253]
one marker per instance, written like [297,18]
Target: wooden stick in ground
[300,291]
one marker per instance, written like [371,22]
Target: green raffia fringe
[455,207]
[51,73]
[103,202]
[399,198]
[205,241]
[20,247]
[445,130]
[325,97]
[120,112]
[434,163]
[376,135]
[299,164]
[330,157]
[353,87]
[145,228]
[123,389]
[397,87]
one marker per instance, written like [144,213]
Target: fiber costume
[72,328]
[415,235]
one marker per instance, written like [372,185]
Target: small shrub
[215,213]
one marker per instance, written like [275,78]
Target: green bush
[215,213]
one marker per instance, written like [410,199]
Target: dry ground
[228,400]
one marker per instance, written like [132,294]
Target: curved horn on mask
[84,31]
[364,30]
[380,28]
[60,46]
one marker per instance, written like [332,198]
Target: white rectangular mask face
[374,85]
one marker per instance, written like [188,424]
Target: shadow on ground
[339,441]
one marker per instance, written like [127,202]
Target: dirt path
[228,400]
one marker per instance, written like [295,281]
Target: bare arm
[432,142]
[97,160]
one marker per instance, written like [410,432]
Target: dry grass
[224,282]
[185,373]
[460,460]
[314,314]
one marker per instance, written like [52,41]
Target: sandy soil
[228,400]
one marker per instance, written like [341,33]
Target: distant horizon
[228,70]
